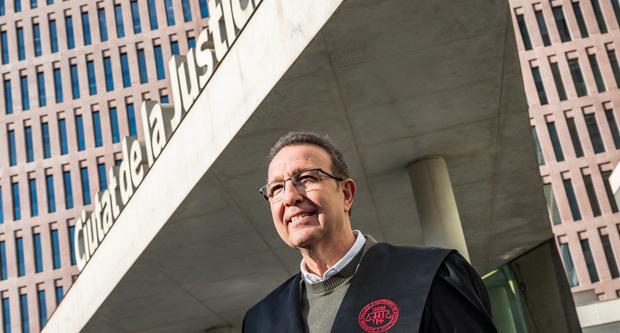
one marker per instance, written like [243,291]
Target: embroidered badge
[378,316]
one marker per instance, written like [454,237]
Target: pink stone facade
[49,278]
[590,220]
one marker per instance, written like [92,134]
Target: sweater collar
[312,278]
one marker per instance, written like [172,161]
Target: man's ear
[348,188]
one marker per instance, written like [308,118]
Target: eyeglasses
[303,180]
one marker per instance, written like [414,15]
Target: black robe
[395,289]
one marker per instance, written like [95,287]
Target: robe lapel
[399,279]
[288,316]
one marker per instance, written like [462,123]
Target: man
[349,282]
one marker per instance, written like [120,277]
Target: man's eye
[307,178]
[275,189]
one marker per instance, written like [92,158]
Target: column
[439,216]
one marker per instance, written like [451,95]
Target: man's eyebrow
[295,171]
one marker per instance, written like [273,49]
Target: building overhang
[390,81]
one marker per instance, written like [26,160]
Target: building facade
[569,53]
[73,75]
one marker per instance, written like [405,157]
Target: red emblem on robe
[378,316]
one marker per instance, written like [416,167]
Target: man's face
[307,218]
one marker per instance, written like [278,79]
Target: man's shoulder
[287,290]
[406,252]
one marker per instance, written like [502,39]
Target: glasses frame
[263,189]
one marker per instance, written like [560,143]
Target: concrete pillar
[439,216]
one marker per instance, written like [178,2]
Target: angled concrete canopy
[391,81]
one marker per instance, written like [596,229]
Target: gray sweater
[321,301]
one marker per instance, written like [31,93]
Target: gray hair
[339,166]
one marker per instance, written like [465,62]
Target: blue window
[17,213]
[116,137]
[49,2]
[33,4]
[109,78]
[135,17]
[36,39]
[572,200]
[75,81]
[117,162]
[125,70]
[34,202]
[187,11]
[29,146]
[55,250]
[159,62]
[131,119]
[72,244]
[580,21]
[4,41]
[53,36]
[560,22]
[66,179]
[92,81]
[142,66]
[21,51]
[152,14]
[38,255]
[2,7]
[23,311]
[19,247]
[12,148]
[174,47]
[596,71]
[103,26]
[97,129]
[204,9]
[59,294]
[41,89]
[85,185]
[3,272]
[578,80]
[17,5]
[62,133]
[58,85]
[8,97]
[164,99]
[6,315]
[542,27]
[23,85]
[86,28]
[50,193]
[103,179]
[69,30]
[45,137]
[600,20]
[42,307]
[118,17]
[191,42]
[169,12]
[79,129]
[595,134]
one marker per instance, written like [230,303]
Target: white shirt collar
[355,249]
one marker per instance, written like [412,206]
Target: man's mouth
[300,217]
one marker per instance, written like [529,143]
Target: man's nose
[292,194]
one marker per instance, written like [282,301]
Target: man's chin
[303,239]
